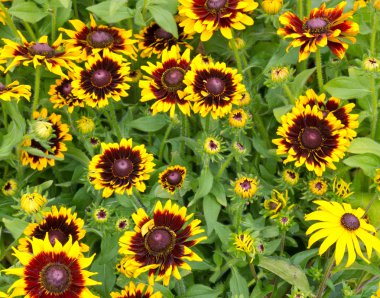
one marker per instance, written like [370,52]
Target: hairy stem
[162,147]
[374,105]
[37,83]
[318,61]
[326,276]
[289,94]
[224,166]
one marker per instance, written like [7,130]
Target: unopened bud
[42,129]
[272,6]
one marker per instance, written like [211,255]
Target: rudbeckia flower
[133,291]
[172,178]
[14,91]
[324,27]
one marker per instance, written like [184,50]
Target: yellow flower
[32,202]
[244,242]
[280,74]
[9,187]
[272,6]
[371,64]
[276,203]
[341,188]
[172,178]
[344,226]
[42,129]
[318,186]
[131,290]
[14,91]
[290,177]
[212,145]
[239,43]
[238,118]
[85,125]
[245,187]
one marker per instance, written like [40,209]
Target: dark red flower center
[66,89]
[291,174]
[311,138]
[273,205]
[42,49]
[94,141]
[173,78]
[161,33]
[238,116]
[350,221]
[174,178]
[213,145]
[240,146]
[246,185]
[318,185]
[316,25]
[122,224]
[122,168]
[99,39]
[7,186]
[101,214]
[56,278]
[160,240]
[2,87]
[215,86]
[216,4]
[57,235]
[101,78]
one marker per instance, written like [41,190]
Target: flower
[172,178]
[290,177]
[61,95]
[272,6]
[276,203]
[59,225]
[343,114]
[239,43]
[360,4]
[85,125]
[213,87]
[344,226]
[324,27]
[135,75]
[238,118]
[39,53]
[52,271]
[131,291]
[122,224]
[244,100]
[371,64]
[212,145]
[318,186]
[94,141]
[94,39]
[245,187]
[127,266]
[164,83]
[239,148]
[341,188]
[376,5]
[56,143]
[14,90]
[154,40]
[9,187]
[312,138]
[104,77]
[32,202]
[280,74]
[41,129]
[208,16]
[244,242]
[161,244]
[101,215]
[120,167]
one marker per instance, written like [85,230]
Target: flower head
[245,187]
[9,188]
[324,27]
[238,118]
[32,202]
[276,203]
[172,178]
[344,226]
[213,87]
[61,95]
[101,215]
[120,167]
[341,188]
[133,291]
[244,242]
[161,244]
[291,177]
[14,91]
[318,186]
[85,125]
[93,39]
[212,145]
[208,16]
[164,83]
[52,271]
[122,224]
[371,64]
[272,6]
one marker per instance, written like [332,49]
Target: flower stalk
[318,62]
[326,276]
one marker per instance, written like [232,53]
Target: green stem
[300,8]
[282,246]
[373,34]
[53,24]
[207,123]
[224,269]
[237,56]
[162,147]
[308,7]
[246,69]
[143,12]
[253,270]
[37,83]
[30,30]
[260,126]
[181,287]
[224,166]
[374,104]
[375,196]
[237,215]
[136,197]
[114,122]
[326,276]
[9,21]
[318,62]
[5,117]
[289,94]
[130,24]
[183,134]
[76,15]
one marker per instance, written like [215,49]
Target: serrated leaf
[164,19]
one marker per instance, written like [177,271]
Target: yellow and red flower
[324,27]
[133,291]
[208,16]
[164,83]
[14,91]
[172,178]
[120,167]
[161,244]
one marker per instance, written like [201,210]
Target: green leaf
[223,232]
[148,123]
[10,140]
[38,152]
[78,155]
[367,162]
[201,291]
[219,193]
[164,19]
[364,145]
[27,11]
[288,272]
[238,284]
[300,81]
[103,9]
[280,111]
[108,248]
[65,3]
[211,209]
[106,274]
[116,5]
[205,181]
[346,88]
[303,257]
[15,226]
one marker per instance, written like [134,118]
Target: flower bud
[42,129]
[371,64]
[85,125]
[240,43]
[280,74]
[272,6]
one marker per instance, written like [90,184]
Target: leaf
[106,274]
[103,10]
[223,232]
[367,162]
[148,123]
[77,155]
[288,272]
[303,257]
[10,140]
[280,111]
[364,145]
[27,11]
[38,152]
[211,210]
[116,5]
[346,88]
[201,291]
[219,193]
[164,19]
[238,284]
[108,248]
[15,226]
[205,184]
[65,3]
[300,81]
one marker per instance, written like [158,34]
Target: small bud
[272,6]
[244,100]
[290,177]
[371,64]
[212,145]
[95,142]
[9,188]
[85,125]
[32,202]
[238,118]
[101,215]
[280,74]
[240,43]
[42,129]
